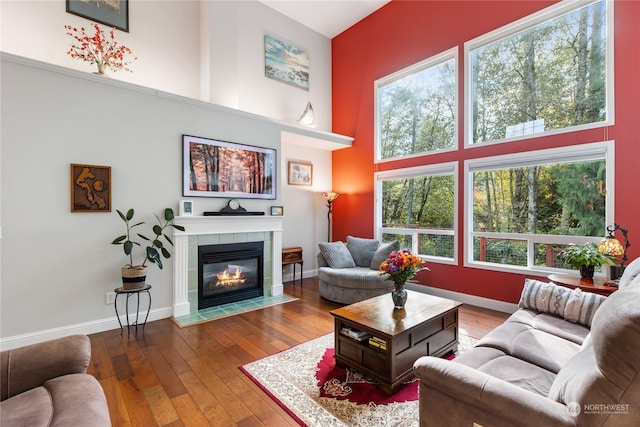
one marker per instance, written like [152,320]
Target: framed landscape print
[90,188]
[214,168]
[300,173]
[286,63]
[114,13]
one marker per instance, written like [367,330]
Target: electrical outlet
[110,298]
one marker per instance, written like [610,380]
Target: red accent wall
[405,32]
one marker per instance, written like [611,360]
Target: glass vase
[399,295]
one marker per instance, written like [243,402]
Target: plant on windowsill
[585,258]
[134,276]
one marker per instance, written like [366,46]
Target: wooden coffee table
[382,343]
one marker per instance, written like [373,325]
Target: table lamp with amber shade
[612,246]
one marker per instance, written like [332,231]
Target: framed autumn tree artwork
[90,188]
[214,168]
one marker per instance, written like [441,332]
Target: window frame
[604,150]
[542,16]
[440,169]
[432,61]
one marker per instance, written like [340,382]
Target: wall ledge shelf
[291,133]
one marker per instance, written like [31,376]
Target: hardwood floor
[172,376]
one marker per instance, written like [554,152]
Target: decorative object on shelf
[98,49]
[308,118]
[300,173]
[242,171]
[612,246]
[186,208]
[134,276]
[585,258]
[329,196]
[111,13]
[286,63]
[401,267]
[277,210]
[90,188]
[233,207]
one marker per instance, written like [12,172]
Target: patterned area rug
[294,379]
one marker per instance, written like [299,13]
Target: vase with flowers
[99,49]
[400,267]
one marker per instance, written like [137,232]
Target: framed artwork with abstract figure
[300,173]
[90,188]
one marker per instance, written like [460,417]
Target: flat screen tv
[214,168]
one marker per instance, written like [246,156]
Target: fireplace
[229,273]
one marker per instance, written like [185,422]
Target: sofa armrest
[488,394]
[24,368]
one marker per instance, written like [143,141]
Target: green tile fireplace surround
[207,230]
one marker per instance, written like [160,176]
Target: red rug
[347,384]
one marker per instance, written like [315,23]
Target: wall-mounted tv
[213,168]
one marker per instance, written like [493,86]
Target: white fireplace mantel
[203,225]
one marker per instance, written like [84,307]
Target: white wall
[57,266]
[208,50]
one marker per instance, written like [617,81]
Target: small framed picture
[186,208]
[277,210]
[300,173]
[90,188]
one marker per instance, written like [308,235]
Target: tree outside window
[416,109]
[540,78]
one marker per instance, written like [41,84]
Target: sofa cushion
[382,253]
[544,297]
[336,254]
[520,373]
[30,408]
[631,272]
[362,250]
[74,399]
[582,306]
[607,370]
[531,345]
[573,305]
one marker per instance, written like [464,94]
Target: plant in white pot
[134,275]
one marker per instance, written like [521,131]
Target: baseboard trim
[491,304]
[85,328]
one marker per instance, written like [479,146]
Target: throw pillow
[382,253]
[544,297]
[336,254]
[362,250]
[582,306]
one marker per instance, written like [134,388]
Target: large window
[523,209]
[545,73]
[416,109]
[417,207]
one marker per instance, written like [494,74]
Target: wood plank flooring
[172,376]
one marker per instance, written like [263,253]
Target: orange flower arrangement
[98,49]
[401,266]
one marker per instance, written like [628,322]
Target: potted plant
[134,276]
[585,258]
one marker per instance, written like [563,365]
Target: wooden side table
[596,285]
[293,256]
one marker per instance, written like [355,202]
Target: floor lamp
[329,196]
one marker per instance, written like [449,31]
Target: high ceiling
[327,17]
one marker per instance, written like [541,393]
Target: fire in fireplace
[229,273]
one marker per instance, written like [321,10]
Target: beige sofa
[558,364]
[46,384]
